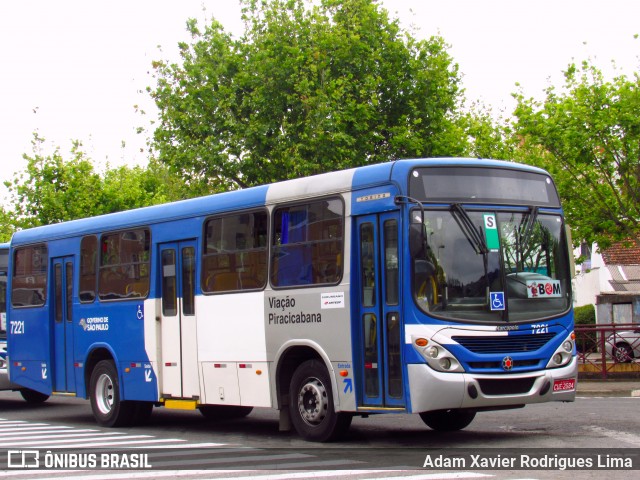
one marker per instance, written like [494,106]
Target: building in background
[611,281]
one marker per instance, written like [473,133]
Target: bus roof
[288,190]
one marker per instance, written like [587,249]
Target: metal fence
[608,351]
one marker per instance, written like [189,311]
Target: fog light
[557,358]
[568,346]
[433,352]
[445,363]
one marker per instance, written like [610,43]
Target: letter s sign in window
[491,232]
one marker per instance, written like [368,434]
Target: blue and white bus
[440,287]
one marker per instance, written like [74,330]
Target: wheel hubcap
[104,394]
[623,354]
[313,401]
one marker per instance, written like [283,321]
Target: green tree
[52,189]
[124,188]
[309,87]
[488,136]
[6,225]
[588,137]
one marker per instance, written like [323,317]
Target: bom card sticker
[543,289]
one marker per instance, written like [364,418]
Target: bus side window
[88,261]
[29,283]
[235,252]
[124,265]
[307,244]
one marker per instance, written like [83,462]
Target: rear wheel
[31,396]
[104,388]
[448,420]
[311,404]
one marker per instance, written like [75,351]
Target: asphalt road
[382,446]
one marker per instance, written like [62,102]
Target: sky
[76,69]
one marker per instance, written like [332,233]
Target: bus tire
[104,388]
[222,412]
[31,396]
[448,420]
[311,404]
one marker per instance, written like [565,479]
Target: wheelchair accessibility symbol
[497,300]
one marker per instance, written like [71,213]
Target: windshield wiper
[475,237]
[527,234]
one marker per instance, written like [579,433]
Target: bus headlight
[563,353]
[445,363]
[436,356]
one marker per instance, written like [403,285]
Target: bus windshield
[491,266]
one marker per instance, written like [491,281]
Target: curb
[605,393]
[608,393]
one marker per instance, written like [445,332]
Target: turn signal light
[422,342]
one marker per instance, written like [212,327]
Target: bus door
[62,361]
[179,349]
[380,323]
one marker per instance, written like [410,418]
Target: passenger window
[235,252]
[124,265]
[307,244]
[88,264]
[29,283]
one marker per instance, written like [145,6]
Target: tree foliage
[588,137]
[53,189]
[309,87]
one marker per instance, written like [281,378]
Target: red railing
[606,351]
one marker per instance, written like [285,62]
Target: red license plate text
[564,385]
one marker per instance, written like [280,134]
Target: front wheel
[448,420]
[311,404]
[104,388]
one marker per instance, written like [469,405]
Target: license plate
[564,385]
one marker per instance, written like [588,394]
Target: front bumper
[431,390]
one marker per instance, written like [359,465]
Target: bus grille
[505,344]
[514,386]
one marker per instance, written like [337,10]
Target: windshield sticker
[543,289]
[497,300]
[491,232]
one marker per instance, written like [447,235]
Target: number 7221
[17,327]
